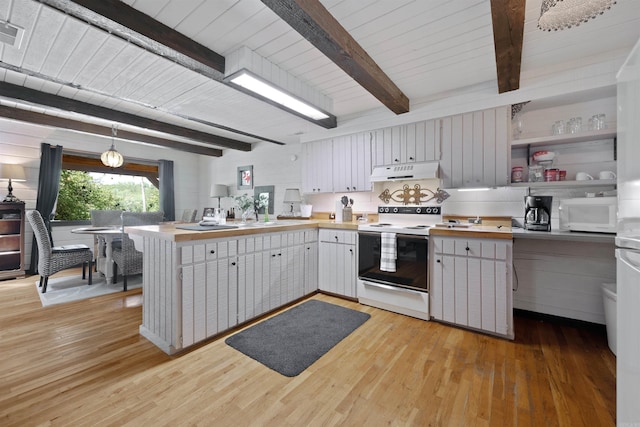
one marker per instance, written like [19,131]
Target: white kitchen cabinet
[475,149]
[317,171]
[413,142]
[471,283]
[208,274]
[310,269]
[352,163]
[337,262]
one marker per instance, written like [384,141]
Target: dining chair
[52,259]
[127,258]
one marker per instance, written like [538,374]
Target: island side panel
[161,299]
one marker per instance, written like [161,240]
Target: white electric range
[399,284]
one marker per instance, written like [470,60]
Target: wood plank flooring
[84,363]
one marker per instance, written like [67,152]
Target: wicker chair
[104,218]
[52,259]
[127,259]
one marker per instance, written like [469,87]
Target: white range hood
[404,171]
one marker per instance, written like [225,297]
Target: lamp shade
[292,195]
[13,172]
[219,190]
[561,14]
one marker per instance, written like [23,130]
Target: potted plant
[245,204]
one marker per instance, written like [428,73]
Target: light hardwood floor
[84,364]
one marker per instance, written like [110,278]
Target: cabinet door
[349,271]
[317,176]
[327,275]
[194,314]
[276,279]
[361,162]
[227,303]
[475,149]
[342,163]
[310,267]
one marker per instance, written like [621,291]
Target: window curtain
[167,200]
[48,186]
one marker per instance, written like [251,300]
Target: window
[86,184]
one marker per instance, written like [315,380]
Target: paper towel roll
[339,207]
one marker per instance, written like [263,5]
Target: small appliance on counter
[537,213]
[593,214]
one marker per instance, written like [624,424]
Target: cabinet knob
[410,158]
[396,160]
[467,248]
[233,263]
[279,254]
[438,261]
[212,251]
[273,255]
[351,250]
[336,237]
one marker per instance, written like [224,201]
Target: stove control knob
[381,209]
[418,210]
[395,210]
[386,210]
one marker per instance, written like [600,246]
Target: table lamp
[292,195]
[219,191]
[15,173]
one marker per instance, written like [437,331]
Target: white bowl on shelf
[544,156]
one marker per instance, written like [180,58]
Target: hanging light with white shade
[562,14]
[111,157]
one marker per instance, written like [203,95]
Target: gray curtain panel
[167,200]
[48,186]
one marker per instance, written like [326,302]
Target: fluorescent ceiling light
[257,86]
[475,189]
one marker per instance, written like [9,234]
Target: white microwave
[595,214]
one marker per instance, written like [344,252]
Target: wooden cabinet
[337,262]
[471,283]
[413,142]
[352,163]
[225,282]
[11,240]
[475,149]
[317,172]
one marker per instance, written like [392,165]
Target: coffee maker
[537,213]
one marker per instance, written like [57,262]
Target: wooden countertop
[477,231]
[171,233]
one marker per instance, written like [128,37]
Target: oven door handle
[398,235]
[390,288]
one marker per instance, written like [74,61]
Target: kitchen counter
[171,233]
[477,231]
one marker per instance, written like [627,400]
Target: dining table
[104,266]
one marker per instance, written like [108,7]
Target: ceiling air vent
[11,34]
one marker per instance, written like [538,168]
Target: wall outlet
[475,220]
[332,215]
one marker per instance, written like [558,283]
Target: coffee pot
[537,214]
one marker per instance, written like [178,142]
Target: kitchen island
[197,284]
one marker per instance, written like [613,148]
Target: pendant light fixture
[111,157]
[562,14]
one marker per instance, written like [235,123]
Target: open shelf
[567,184]
[585,136]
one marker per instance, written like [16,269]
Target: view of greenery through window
[80,192]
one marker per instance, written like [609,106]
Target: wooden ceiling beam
[67,104]
[314,22]
[134,26]
[64,123]
[508,33]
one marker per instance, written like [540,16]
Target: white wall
[277,165]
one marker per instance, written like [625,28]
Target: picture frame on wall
[245,177]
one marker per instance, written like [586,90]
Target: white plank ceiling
[425,46]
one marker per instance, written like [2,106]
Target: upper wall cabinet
[317,173]
[475,149]
[352,162]
[413,142]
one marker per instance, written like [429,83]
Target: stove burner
[380,224]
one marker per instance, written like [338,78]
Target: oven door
[411,261]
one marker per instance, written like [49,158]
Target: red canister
[562,175]
[551,174]
[516,174]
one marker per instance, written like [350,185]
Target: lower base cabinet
[337,259]
[471,283]
[225,282]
